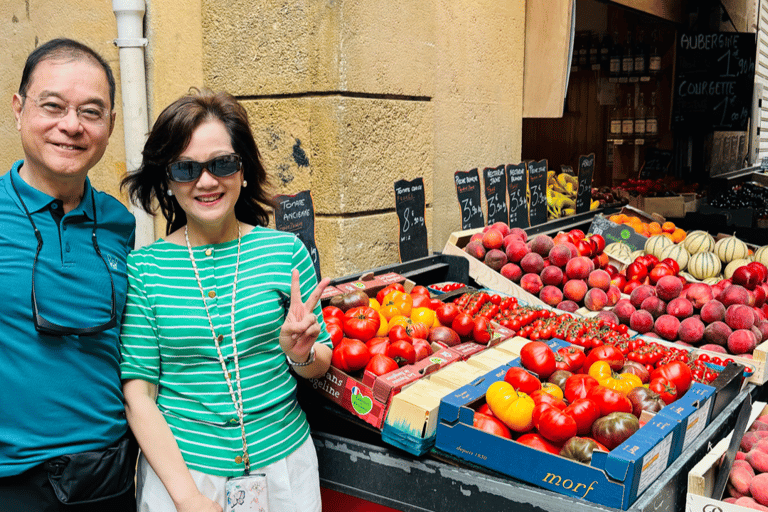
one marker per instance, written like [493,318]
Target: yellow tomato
[621,382]
[403,301]
[390,311]
[513,408]
[424,315]
[383,326]
[399,320]
[374,304]
[552,389]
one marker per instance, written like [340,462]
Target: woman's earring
[170,192]
[245,183]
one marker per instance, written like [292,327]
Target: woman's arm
[160,448]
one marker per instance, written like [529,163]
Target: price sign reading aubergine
[410,205]
[537,185]
[584,194]
[296,214]
[496,194]
[517,186]
[468,192]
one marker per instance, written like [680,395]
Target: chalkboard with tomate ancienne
[496,194]
[468,193]
[714,78]
[410,204]
[517,187]
[584,193]
[296,214]
[537,185]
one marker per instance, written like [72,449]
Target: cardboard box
[701,478]
[689,414]
[673,206]
[613,479]
[370,284]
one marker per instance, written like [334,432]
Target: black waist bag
[89,477]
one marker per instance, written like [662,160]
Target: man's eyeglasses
[185,171]
[42,325]
[52,107]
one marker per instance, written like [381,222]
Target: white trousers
[293,484]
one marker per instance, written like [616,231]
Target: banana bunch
[561,194]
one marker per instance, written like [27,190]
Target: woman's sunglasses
[184,171]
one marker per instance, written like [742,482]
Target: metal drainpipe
[131,43]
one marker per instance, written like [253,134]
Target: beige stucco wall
[369,92]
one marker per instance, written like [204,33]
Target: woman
[217,313]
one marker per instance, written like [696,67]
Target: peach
[741,341]
[542,244]
[699,294]
[520,233]
[573,248]
[476,249]
[641,321]
[516,250]
[568,305]
[599,279]
[747,502]
[758,459]
[531,283]
[733,294]
[680,307]
[668,287]
[579,268]
[751,439]
[501,227]
[560,255]
[608,316]
[575,290]
[714,348]
[552,275]
[532,263]
[508,240]
[712,311]
[492,239]
[477,237]
[641,293]
[512,271]
[623,310]
[762,326]
[595,299]
[691,331]
[740,476]
[551,295]
[495,259]
[667,326]
[739,316]
[717,333]
[654,305]
[614,295]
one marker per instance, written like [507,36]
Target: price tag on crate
[584,194]
[410,205]
[517,187]
[468,193]
[296,214]
[537,186]
[496,194]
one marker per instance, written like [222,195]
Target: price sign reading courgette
[496,194]
[517,187]
[296,214]
[586,171]
[537,186]
[410,205]
[468,192]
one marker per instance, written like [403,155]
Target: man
[62,269]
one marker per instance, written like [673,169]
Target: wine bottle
[652,119]
[640,116]
[628,59]
[628,120]
[616,57]
[614,130]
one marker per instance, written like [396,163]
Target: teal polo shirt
[59,394]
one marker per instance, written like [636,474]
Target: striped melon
[678,253]
[619,251]
[688,277]
[732,266]
[730,248]
[703,265]
[699,241]
[761,255]
[636,254]
[656,243]
[713,280]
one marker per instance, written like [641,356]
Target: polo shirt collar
[36,200]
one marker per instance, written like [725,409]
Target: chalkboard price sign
[496,194]
[586,171]
[296,214]
[715,75]
[410,204]
[517,187]
[656,163]
[468,192]
[537,186]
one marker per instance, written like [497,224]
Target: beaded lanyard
[236,399]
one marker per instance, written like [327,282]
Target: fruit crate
[701,478]
[482,273]
[436,268]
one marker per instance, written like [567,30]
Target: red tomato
[350,355]
[417,330]
[420,290]
[584,411]
[542,397]
[434,304]
[678,373]
[378,345]
[422,347]
[421,301]
[402,352]
[361,323]
[659,271]
[491,425]
[336,332]
[636,271]
[485,409]
[553,424]
[539,358]
[463,325]
[384,291]
[482,331]
[399,332]
[578,386]
[330,312]
[570,358]
[522,380]
[608,353]
[537,442]
[381,364]
[664,388]
[609,400]
[446,313]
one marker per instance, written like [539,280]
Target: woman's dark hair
[64,49]
[170,136]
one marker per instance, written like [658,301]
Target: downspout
[131,43]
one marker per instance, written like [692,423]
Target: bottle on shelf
[584,51]
[605,54]
[628,58]
[654,57]
[614,69]
[614,129]
[652,119]
[594,51]
[628,120]
[640,117]
[641,58]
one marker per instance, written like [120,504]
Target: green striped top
[167,341]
